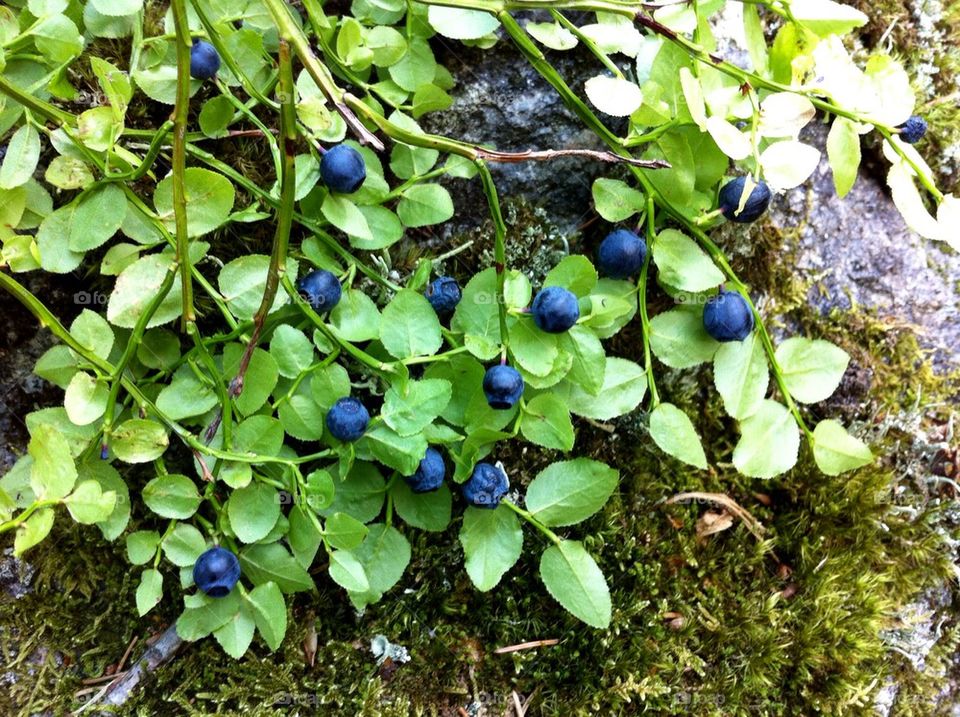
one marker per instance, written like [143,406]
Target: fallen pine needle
[524,646]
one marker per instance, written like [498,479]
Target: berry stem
[527,516]
[642,297]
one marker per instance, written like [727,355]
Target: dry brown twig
[734,508]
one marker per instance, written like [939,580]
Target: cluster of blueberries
[727,316]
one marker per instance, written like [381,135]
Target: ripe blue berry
[321,289]
[430,473]
[621,254]
[347,419]
[555,309]
[216,572]
[486,486]
[913,130]
[444,295]
[503,386]
[755,206]
[204,60]
[342,169]
[727,317]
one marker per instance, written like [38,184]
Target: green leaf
[360,495]
[110,481]
[568,492]
[461,24]
[53,473]
[624,385]
[215,116]
[355,317]
[142,546]
[409,407]
[812,369]
[85,399]
[138,440]
[476,315]
[615,200]
[741,376]
[574,273]
[843,151]
[292,351]
[243,281]
[33,530]
[534,350]
[552,35]
[546,422]
[425,204]
[68,173]
[183,545]
[186,395]
[158,349]
[614,96]
[409,326]
[135,288]
[172,496]
[97,217]
[678,338]
[261,377]
[385,228]
[253,511]
[756,40]
[492,542]
[269,613]
[93,332]
[673,431]
[825,17]
[149,591]
[346,216]
[683,264]
[303,536]
[204,614]
[589,359]
[347,572]
[572,577]
[416,68]
[387,45]
[89,503]
[270,562]
[210,197]
[836,451]
[384,554]
[383,444]
[345,532]
[769,443]
[427,511]
[236,634]
[23,154]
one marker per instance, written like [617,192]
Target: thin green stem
[500,246]
[642,296]
[179,168]
[527,516]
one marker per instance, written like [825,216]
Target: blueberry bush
[307,408]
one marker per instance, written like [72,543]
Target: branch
[753,525]
[546,155]
[319,72]
[281,240]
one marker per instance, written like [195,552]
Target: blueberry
[486,486]
[347,419]
[3,152]
[913,129]
[204,60]
[430,473]
[755,206]
[555,309]
[621,254]
[321,289]
[444,295]
[342,169]
[503,386]
[727,317]
[216,572]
